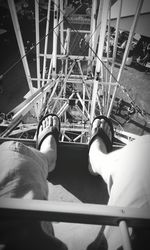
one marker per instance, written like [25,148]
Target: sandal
[51,130]
[104,131]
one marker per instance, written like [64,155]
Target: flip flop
[104,131]
[52,130]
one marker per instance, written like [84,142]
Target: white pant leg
[128,181]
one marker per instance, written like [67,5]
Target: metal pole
[93,25]
[132,30]
[55,35]
[125,236]
[62,88]
[72,212]
[83,86]
[61,27]
[114,49]
[46,40]
[107,61]
[98,24]
[100,55]
[105,10]
[20,42]
[37,43]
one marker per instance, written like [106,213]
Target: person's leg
[23,174]
[119,169]
[48,146]
[24,170]
[99,148]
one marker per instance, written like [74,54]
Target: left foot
[49,145]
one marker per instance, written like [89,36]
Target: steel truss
[76,85]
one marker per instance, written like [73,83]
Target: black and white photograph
[74,124]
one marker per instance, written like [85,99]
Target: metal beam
[131,34]
[105,10]
[16,25]
[114,51]
[126,242]
[25,108]
[93,26]
[73,212]
[55,37]
[37,38]
[46,40]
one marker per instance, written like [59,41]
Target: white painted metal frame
[84,213]
[77,213]
[132,30]
[102,84]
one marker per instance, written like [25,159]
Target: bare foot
[49,145]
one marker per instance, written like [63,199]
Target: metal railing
[77,213]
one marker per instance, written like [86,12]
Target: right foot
[101,140]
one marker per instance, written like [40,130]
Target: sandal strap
[107,135]
[48,131]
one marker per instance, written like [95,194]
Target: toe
[44,124]
[40,129]
[50,120]
[47,121]
[96,123]
[56,122]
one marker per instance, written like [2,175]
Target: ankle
[98,146]
[48,144]
[97,155]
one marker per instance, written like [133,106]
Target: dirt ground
[137,83]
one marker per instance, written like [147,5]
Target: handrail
[73,212]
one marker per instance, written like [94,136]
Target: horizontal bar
[77,57]
[75,130]
[79,31]
[73,212]
[78,80]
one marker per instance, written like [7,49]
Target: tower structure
[74,67]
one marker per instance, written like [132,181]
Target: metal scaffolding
[75,84]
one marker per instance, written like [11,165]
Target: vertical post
[20,42]
[37,37]
[83,86]
[98,23]
[114,49]
[132,30]
[125,236]
[102,34]
[46,40]
[92,28]
[55,36]
[66,51]
[108,42]
[107,61]
[67,42]
[15,21]
[100,55]
[61,27]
